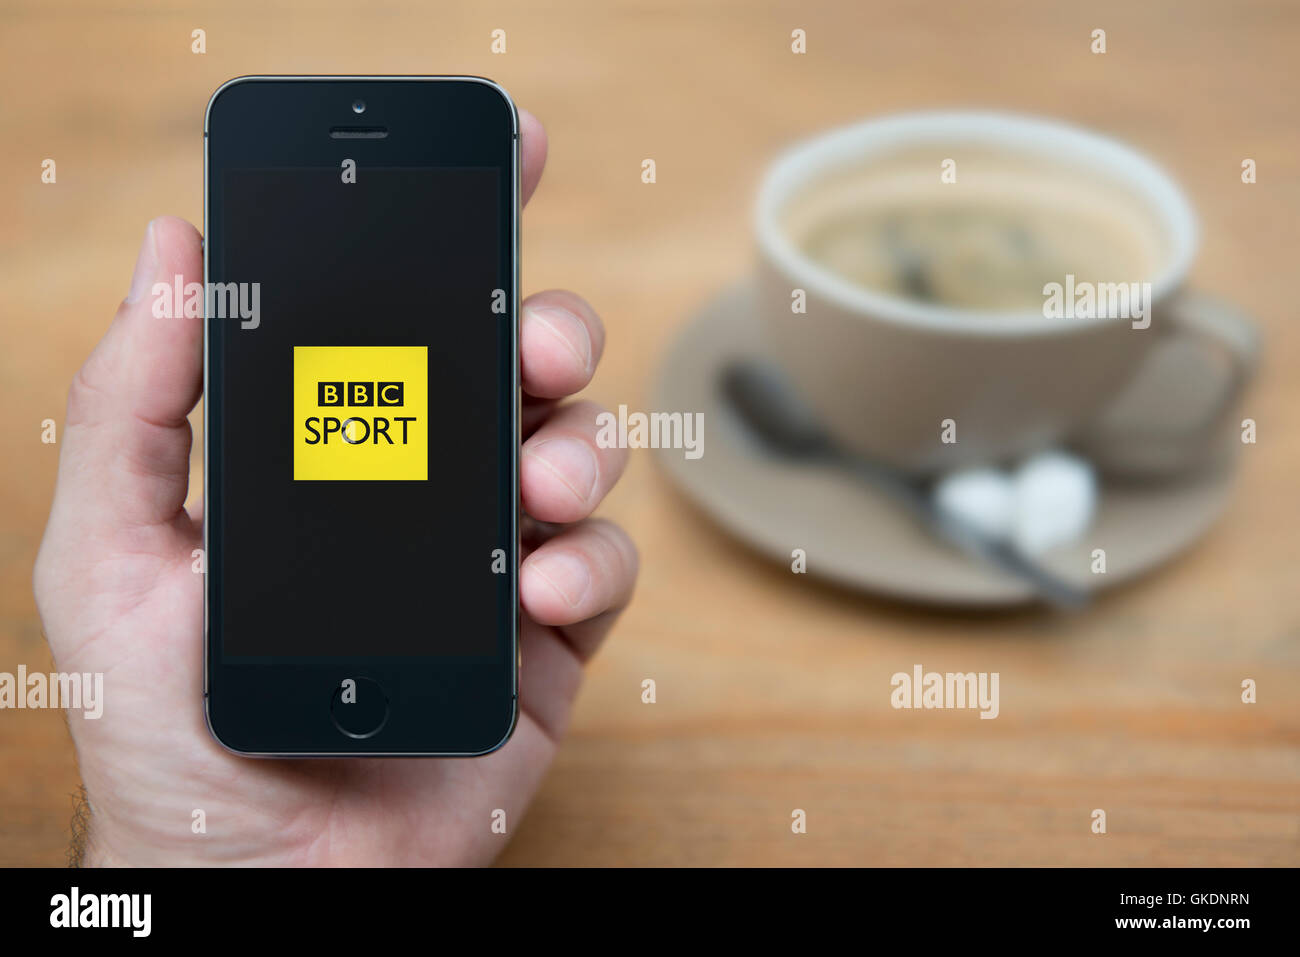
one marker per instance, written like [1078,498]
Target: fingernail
[572,461]
[146,267]
[567,574]
[570,330]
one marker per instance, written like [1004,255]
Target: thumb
[125,457]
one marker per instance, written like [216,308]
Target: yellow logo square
[360,412]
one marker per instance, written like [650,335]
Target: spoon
[775,415]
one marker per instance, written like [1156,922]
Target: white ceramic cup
[884,373]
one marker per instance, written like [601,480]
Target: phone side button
[359,707]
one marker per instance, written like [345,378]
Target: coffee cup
[949,289]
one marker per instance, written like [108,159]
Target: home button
[359,707]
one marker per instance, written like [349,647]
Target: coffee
[989,241]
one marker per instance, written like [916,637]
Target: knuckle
[85,397]
[618,544]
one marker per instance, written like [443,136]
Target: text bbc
[360,393]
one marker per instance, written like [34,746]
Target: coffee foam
[958,236]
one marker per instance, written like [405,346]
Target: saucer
[854,534]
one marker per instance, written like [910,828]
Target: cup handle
[1212,324]
[1221,325]
[1145,451]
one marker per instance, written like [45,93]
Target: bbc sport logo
[360,413]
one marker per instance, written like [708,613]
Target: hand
[117,595]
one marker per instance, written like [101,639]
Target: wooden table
[772,689]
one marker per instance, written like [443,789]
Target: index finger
[532,146]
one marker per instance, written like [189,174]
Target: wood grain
[772,689]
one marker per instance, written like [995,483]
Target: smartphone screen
[361,416]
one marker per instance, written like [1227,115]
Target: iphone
[361,415]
